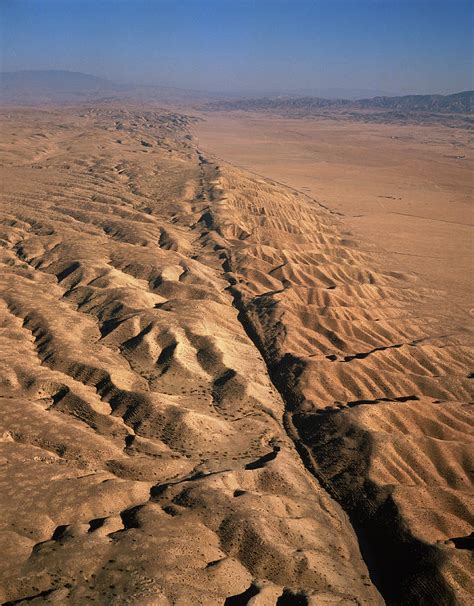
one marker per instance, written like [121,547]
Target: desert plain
[236,359]
[406,188]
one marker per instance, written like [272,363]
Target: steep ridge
[143,441]
[377,382]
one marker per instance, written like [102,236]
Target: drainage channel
[403,569]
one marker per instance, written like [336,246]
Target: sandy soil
[210,393]
[406,189]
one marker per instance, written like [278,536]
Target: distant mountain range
[456,103]
[53,85]
[324,93]
[60,86]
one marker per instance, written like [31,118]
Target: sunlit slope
[146,455]
[377,382]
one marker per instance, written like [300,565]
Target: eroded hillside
[209,394]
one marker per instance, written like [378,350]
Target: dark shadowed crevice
[404,570]
[37,596]
[263,460]
[464,542]
[290,598]
[242,599]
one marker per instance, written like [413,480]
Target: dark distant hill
[457,103]
[448,110]
[280,103]
[301,103]
[61,86]
[53,85]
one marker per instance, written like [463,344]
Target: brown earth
[210,393]
[407,189]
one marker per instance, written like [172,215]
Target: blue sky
[407,46]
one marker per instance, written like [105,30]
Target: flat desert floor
[213,389]
[408,189]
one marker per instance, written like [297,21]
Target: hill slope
[211,388]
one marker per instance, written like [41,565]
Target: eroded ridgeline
[144,441]
[376,381]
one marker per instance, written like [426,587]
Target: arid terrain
[215,388]
[407,189]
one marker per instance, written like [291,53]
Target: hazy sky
[393,45]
